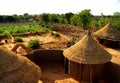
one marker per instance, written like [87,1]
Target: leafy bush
[71,42]
[33,44]
[55,34]
[18,39]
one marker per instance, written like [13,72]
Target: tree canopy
[83,18]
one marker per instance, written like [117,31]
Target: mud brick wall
[48,56]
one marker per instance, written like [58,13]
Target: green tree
[36,18]
[26,17]
[94,24]
[75,19]
[53,18]
[21,18]
[116,14]
[68,16]
[45,17]
[85,18]
[103,20]
[61,18]
[16,17]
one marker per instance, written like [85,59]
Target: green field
[17,28]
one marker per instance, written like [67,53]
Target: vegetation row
[83,19]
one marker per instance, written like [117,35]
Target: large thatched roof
[108,32]
[17,69]
[87,51]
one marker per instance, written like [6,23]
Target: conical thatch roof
[108,32]
[17,69]
[87,51]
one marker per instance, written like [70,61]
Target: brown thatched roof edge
[17,69]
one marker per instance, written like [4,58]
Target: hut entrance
[101,41]
[66,65]
[112,44]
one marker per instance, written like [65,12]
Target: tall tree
[85,18]
[16,17]
[116,14]
[26,16]
[116,20]
[75,19]
[36,18]
[53,18]
[45,17]
[103,20]
[68,16]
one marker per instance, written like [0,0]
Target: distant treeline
[83,19]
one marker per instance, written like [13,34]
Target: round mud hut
[108,36]
[86,60]
[17,69]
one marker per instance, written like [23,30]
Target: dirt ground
[53,73]
[115,55]
[47,41]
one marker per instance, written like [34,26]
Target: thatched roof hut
[87,51]
[88,54]
[17,69]
[108,32]
[108,36]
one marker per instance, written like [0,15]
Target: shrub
[55,34]
[18,39]
[71,42]
[34,44]
[6,33]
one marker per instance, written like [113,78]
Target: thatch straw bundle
[108,32]
[87,51]
[17,69]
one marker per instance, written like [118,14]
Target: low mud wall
[47,56]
